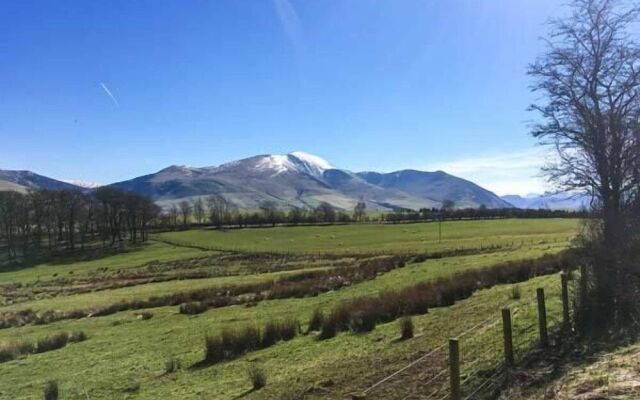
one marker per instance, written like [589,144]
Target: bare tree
[359,211]
[270,212]
[325,212]
[173,215]
[198,210]
[219,209]
[589,81]
[185,211]
[448,205]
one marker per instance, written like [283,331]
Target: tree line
[215,210]
[44,221]
[431,214]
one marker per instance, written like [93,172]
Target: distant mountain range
[562,201]
[299,179]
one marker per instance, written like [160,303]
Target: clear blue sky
[367,85]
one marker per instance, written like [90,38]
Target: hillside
[24,180]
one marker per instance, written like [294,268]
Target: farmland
[390,238]
[124,355]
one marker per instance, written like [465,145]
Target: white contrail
[290,23]
[108,92]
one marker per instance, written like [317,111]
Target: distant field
[419,237]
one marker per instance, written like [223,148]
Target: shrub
[257,376]
[77,336]
[171,365]
[51,390]
[315,322]
[52,342]
[406,328]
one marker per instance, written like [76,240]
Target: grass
[131,258]
[136,349]
[419,237]
[105,297]
[127,356]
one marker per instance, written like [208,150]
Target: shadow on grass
[542,368]
[61,257]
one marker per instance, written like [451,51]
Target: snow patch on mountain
[277,163]
[310,164]
[83,184]
[313,160]
[295,162]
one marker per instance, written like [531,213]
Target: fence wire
[482,363]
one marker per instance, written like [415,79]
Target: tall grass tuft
[406,328]
[213,349]
[257,376]
[515,292]
[51,390]
[53,342]
[315,322]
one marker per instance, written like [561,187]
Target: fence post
[454,368]
[508,340]
[565,300]
[542,319]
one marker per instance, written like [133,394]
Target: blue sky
[367,85]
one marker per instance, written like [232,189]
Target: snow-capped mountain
[300,179]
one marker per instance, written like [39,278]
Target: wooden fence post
[454,369]
[508,340]
[565,300]
[542,319]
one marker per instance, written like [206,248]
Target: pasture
[124,355]
[383,238]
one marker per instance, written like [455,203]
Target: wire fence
[481,361]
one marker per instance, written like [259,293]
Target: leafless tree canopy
[589,80]
[589,86]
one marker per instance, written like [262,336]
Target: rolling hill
[22,181]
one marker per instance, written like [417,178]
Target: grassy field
[124,356]
[131,257]
[419,237]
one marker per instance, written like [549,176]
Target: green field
[418,237]
[124,356]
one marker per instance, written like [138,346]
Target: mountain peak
[311,159]
[295,162]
